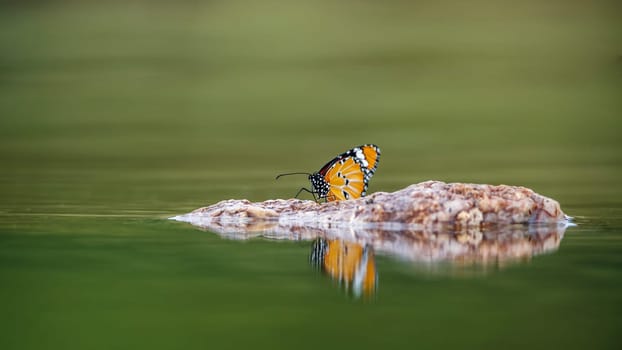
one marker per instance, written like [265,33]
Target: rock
[427,204]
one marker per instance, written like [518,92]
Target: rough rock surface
[427,204]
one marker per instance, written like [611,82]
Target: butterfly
[345,176]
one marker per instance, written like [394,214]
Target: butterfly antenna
[286,174]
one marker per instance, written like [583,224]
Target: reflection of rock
[352,265]
[487,246]
[491,244]
[423,205]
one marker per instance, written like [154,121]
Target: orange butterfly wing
[348,174]
[346,179]
[372,154]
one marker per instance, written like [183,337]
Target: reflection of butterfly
[350,263]
[344,177]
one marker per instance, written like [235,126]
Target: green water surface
[116,116]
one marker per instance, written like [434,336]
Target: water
[115,117]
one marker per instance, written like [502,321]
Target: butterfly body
[319,185]
[345,176]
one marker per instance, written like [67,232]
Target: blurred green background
[116,115]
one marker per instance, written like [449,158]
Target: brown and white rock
[426,204]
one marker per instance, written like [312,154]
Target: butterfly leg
[305,189]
